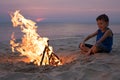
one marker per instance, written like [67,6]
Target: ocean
[54,30]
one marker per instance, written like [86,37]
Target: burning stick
[43,55]
[54,60]
[33,46]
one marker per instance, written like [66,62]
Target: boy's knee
[81,45]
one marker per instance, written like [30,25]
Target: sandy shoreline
[77,66]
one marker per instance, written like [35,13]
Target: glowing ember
[32,45]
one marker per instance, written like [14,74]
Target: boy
[104,39]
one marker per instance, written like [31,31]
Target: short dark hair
[103,17]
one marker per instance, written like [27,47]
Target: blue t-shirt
[108,42]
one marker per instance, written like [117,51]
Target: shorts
[101,48]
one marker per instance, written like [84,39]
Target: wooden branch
[43,55]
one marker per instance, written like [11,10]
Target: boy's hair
[103,17]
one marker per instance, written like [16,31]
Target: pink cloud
[39,19]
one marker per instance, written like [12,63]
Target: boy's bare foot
[82,52]
[87,54]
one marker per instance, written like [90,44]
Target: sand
[77,66]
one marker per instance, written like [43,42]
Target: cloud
[60,8]
[40,19]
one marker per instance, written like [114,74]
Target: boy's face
[102,24]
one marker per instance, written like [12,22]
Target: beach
[40,39]
[76,66]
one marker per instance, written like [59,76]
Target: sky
[61,10]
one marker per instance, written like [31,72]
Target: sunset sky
[61,10]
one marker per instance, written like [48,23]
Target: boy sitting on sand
[104,39]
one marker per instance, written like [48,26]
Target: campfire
[34,47]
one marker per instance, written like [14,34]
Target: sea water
[54,30]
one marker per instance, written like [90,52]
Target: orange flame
[32,45]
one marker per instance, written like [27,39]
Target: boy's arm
[107,33]
[90,36]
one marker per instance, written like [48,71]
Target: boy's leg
[85,48]
[93,50]
[99,48]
